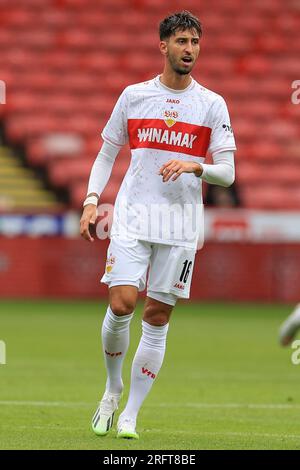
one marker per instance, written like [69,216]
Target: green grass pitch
[225,382]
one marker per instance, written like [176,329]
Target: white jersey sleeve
[115,130]
[222,137]
[222,172]
[102,168]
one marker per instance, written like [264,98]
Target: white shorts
[170,268]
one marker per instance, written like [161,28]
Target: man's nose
[189,47]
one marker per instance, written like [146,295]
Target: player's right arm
[114,137]
[99,177]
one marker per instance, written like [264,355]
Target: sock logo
[148,372]
[113,354]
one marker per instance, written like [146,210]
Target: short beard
[178,69]
[181,71]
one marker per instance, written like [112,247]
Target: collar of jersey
[171,90]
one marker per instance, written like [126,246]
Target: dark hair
[179,21]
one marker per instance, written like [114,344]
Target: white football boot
[126,428]
[103,418]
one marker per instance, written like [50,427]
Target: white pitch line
[167,431]
[263,406]
[54,404]
[65,404]
[229,434]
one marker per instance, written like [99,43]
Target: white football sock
[145,367]
[115,341]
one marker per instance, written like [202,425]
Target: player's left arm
[222,171]
[221,146]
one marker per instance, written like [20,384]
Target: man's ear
[163,47]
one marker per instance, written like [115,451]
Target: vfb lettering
[148,372]
[113,354]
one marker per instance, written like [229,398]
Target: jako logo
[148,372]
[2,352]
[169,100]
[113,354]
[179,286]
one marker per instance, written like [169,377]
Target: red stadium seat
[271,197]
[92,4]
[22,102]
[136,21]
[252,174]
[251,23]
[272,43]
[267,6]
[55,19]
[39,81]
[80,4]
[95,19]
[64,172]
[79,83]
[136,62]
[21,60]
[36,39]
[212,65]
[246,129]
[116,83]
[19,18]
[80,39]
[98,62]
[230,45]
[287,24]
[274,87]
[287,66]
[269,150]
[253,109]
[290,111]
[6,39]
[243,88]
[20,128]
[255,65]
[58,60]
[281,130]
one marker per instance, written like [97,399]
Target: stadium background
[64,63]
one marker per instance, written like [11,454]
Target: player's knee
[156,317]
[122,306]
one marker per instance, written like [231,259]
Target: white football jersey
[161,124]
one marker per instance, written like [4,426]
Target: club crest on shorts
[110,263]
[170,118]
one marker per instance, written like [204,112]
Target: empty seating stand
[66,61]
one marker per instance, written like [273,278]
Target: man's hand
[174,168]
[89,216]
